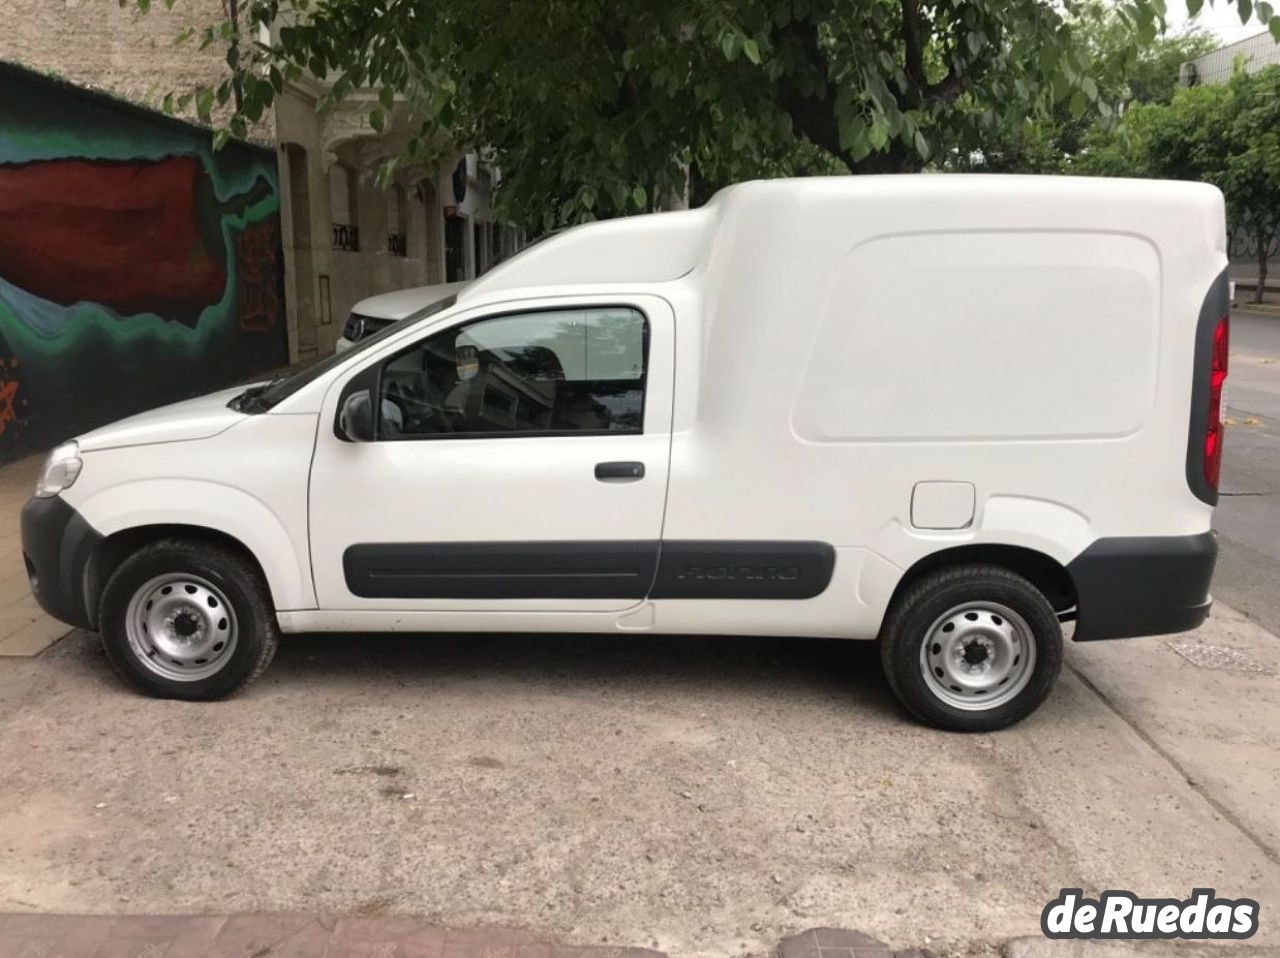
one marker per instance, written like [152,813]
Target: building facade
[1254,53]
[344,237]
[347,237]
[137,265]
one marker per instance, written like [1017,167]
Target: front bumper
[57,547]
[1132,586]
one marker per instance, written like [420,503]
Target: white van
[951,412]
[375,313]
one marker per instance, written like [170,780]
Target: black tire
[907,627]
[235,576]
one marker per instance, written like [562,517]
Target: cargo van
[949,412]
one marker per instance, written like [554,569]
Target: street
[1248,515]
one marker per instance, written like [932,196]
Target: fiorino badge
[1121,914]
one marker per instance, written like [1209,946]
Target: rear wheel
[971,648]
[187,621]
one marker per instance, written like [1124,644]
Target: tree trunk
[1264,242]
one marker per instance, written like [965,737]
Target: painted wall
[137,266]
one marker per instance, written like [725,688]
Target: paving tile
[14,591]
[837,942]
[33,638]
[245,935]
[195,938]
[803,945]
[20,613]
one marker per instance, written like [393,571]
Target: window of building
[552,372]
[344,199]
[397,222]
[478,236]
[455,250]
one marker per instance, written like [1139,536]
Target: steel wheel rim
[978,656]
[181,627]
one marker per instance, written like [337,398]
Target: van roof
[660,247]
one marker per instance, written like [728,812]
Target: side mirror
[355,419]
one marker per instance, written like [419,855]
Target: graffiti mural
[137,266]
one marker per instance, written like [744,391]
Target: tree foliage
[1225,134]
[602,107]
[1130,73]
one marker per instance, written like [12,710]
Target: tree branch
[913,64]
[813,115]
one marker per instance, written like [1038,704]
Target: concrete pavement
[24,628]
[699,796]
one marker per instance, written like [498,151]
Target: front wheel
[189,621]
[971,648]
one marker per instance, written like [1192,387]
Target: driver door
[520,463]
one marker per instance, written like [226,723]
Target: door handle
[628,471]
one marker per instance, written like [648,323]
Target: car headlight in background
[354,329]
[60,470]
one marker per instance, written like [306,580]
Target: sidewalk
[308,936]
[24,629]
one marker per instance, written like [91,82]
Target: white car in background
[376,313]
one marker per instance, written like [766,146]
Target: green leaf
[752,50]
[1245,8]
[204,104]
[639,197]
[144,5]
[879,134]
[1193,6]
[1274,27]
[1090,87]
[1265,11]
[922,145]
[1077,105]
[387,97]
[975,41]
[376,120]
[220,138]
[729,46]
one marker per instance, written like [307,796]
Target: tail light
[1213,424]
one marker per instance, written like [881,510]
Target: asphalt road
[1248,515]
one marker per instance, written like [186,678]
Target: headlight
[60,470]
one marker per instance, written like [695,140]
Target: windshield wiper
[251,401]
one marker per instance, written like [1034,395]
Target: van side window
[547,372]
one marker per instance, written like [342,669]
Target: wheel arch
[132,515]
[115,548]
[1043,571]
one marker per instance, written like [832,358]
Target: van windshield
[262,396]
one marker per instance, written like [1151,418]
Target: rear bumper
[1132,586]
[57,545]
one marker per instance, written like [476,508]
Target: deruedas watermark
[1122,914]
